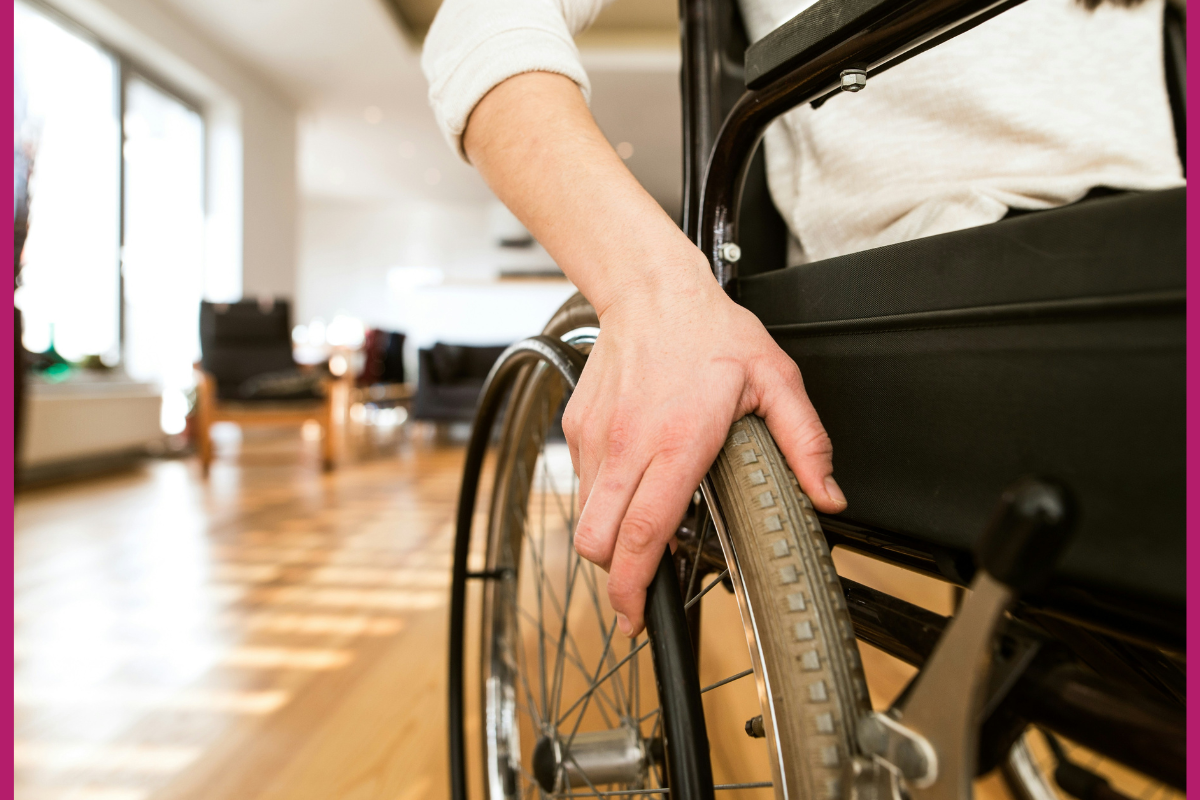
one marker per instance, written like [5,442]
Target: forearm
[536,144]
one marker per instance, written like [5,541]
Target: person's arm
[676,362]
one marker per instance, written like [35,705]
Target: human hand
[676,363]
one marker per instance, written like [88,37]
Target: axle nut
[854,80]
[911,762]
[731,253]
[872,736]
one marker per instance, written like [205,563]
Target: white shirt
[1029,110]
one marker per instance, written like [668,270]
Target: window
[66,112]
[163,253]
[96,281]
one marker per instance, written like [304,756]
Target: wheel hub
[598,757]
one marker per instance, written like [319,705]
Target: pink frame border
[1193,432]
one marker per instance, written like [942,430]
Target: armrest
[918,25]
[809,33]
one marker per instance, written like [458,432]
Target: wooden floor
[274,633]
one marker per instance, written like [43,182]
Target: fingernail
[834,491]
[624,624]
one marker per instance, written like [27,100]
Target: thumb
[792,420]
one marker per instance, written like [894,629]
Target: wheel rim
[558,716]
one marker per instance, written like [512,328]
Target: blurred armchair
[247,375]
[449,380]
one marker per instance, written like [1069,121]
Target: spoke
[560,650]
[637,681]
[572,574]
[708,688]
[530,778]
[582,771]
[724,574]
[597,683]
[569,636]
[568,516]
[588,696]
[577,660]
[549,589]
[730,679]
[632,677]
[618,687]
[699,556]
[658,773]
[522,669]
[754,785]
[540,580]
[619,793]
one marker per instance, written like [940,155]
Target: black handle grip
[1027,533]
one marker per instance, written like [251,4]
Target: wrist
[656,285]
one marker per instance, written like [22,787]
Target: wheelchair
[1007,404]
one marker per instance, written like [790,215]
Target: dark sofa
[449,379]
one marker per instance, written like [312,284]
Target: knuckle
[570,422]
[639,534]
[622,592]
[790,375]
[817,443]
[620,438]
[589,545]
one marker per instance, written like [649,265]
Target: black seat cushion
[1052,343]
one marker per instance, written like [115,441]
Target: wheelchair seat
[1050,343]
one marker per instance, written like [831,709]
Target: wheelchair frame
[1096,669]
[727,106]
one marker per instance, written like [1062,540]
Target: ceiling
[366,133]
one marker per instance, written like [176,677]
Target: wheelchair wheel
[568,707]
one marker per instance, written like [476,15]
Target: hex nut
[854,80]
[731,253]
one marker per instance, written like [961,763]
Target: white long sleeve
[1028,111]
[473,45]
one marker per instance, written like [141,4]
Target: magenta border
[7,377]
[1193,431]
[1193,440]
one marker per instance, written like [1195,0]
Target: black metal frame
[1107,669]
[874,35]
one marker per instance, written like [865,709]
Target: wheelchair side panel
[1048,344]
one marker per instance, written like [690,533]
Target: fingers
[650,523]
[798,431]
[570,424]
[596,532]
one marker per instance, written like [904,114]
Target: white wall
[353,255]
[251,140]
[347,249]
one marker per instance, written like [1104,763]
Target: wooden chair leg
[329,440]
[204,440]
[204,415]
